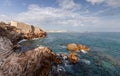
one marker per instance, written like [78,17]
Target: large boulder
[73,58]
[36,62]
[72,47]
[75,47]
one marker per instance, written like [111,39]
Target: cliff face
[34,62]
[10,33]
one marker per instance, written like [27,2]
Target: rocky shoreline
[39,61]
[29,63]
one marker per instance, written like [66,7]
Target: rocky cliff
[18,32]
[34,62]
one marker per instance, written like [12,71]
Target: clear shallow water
[102,60]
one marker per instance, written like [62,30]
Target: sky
[64,15]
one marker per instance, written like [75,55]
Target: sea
[102,60]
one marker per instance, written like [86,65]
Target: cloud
[68,4]
[95,1]
[53,16]
[4,18]
[112,3]
[111,24]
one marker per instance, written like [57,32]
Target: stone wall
[13,23]
[29,30]
[25,28]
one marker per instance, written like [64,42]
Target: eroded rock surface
[34,62]
[5,47]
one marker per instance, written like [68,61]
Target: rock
[5,47]
[75,47]
[10,33]
[55,58]
[36,62]
[73,58]
[83,47]
[1,74]
[72,47]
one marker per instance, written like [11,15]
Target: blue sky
[64,15]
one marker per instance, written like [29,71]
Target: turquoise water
[102,60]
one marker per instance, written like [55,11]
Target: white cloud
[68,4]
[4,18]
[113,3]
[95,1]
[54,16]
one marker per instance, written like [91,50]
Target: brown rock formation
[36,62]
[83,47]
[75,47]
[55,58]
[72,47]
[73,58]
